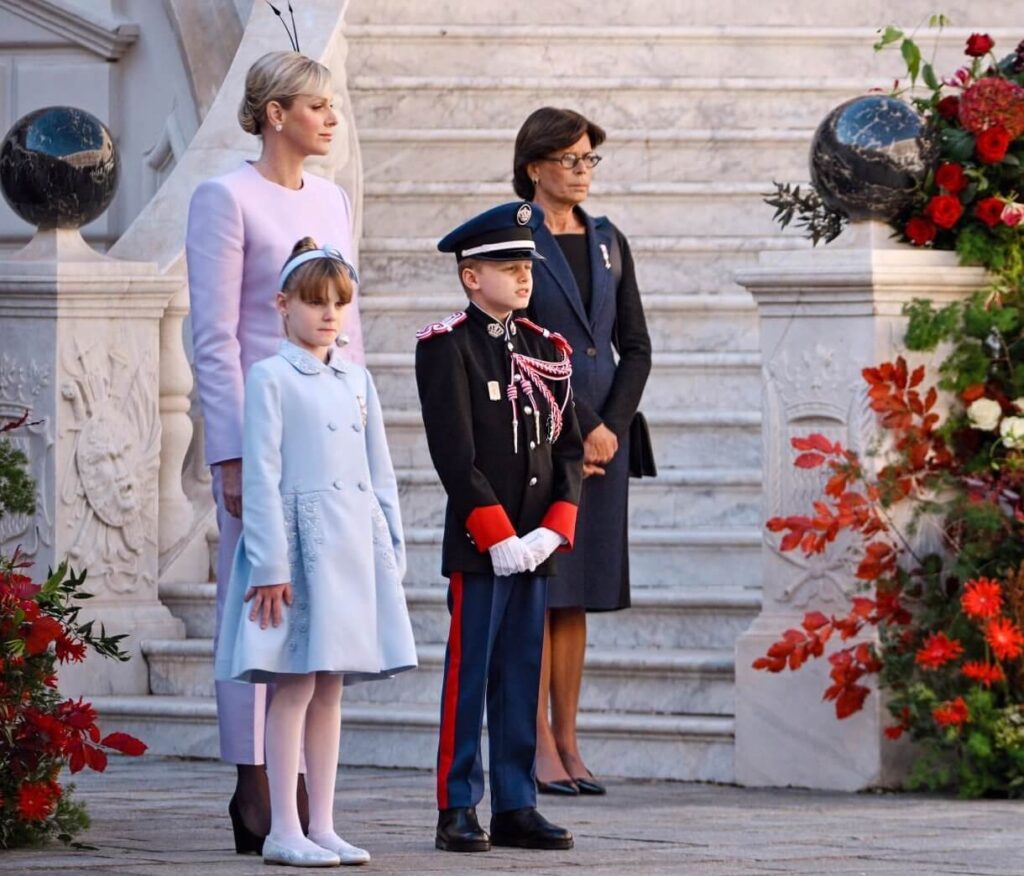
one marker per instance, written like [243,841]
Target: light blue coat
[319,509]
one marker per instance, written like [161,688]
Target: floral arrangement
[940,625]
[41,732]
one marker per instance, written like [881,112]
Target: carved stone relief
[110,478]
[809,392]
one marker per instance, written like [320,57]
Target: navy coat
[611,361]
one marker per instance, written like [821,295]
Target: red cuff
[561,518]
[488,525]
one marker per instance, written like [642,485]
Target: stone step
[661,680]
[664,265]
[677,380]
[864,13]
[667,208]
[681,747]
[677,497]
[671,618]
[456,49]
[676,323]
[664,618]
[698,557]
[683,439]
[485,155]
[635,101]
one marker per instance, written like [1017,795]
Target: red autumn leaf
[125,744]
[814,620]
[77,761]
[917,376]
[790,540]
[815,441]
[797,658]
[973,392]
[851,700]
[809,460]
[96,757]
[769,664]
[930,399]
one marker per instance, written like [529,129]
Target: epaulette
[443,327]
[560,342]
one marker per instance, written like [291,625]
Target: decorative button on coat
[332,426]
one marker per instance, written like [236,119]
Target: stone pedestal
[79,350]
[824,315]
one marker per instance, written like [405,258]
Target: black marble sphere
[868,155]
[58,167]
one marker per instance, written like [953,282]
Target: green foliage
[928,327]
[17,489]
[820,222]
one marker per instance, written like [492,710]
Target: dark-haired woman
[585,289]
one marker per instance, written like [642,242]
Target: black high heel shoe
[246,842]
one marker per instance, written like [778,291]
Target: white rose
[1012,430]
[984,414]
[1018,403]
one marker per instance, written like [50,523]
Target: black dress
[576,294]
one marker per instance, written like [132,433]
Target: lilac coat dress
[241,229]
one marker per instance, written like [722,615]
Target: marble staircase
[704,105]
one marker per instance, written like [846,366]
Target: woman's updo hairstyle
[545,131]
[280,76]
[313,280]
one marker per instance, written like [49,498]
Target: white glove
[511,556]
[542,543]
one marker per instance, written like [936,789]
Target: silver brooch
[495,330]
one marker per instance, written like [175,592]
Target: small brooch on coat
[606,256]
[362,409]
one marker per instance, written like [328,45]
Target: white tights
[315,698]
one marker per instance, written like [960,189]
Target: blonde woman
[241,228]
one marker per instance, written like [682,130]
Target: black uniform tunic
[495,488]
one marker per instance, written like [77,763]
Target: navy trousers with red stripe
[494,650]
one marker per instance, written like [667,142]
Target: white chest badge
[493,390]
[495,330]
[607,258]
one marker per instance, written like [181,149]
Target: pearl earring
[278,127]
[535,181]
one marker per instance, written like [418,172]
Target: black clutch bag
[641,452]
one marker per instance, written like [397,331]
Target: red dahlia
[993,101]
[984,673]
[952,713]
[1004,638]
[944,210]
[982,597]
[989,211]
[937,651]
[36,800]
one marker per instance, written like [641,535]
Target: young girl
[322,556]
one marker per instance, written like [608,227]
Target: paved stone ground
[166,817]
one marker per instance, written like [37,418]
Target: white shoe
[308,854]
[346,852]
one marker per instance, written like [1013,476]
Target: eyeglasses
[570,160]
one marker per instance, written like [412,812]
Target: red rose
[951,178]
[920,231]
[979,44]
[989,211]
[948,107]
[992,144]
[944,210]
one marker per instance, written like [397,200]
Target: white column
[824,315]
[80,350]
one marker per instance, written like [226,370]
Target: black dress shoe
[563,787]
[589,785]
[528,829]
[459,831]
[246,842]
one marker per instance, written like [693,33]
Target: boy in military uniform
[503,437]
